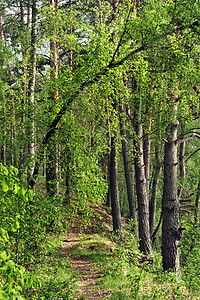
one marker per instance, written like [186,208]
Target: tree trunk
[127,170]
[155,180]
[31,91]
[171,230]
[155,176]
[1,29]
[182,153]
[147,149]
[114,192]
[108,196]
[52,184]
[141,190]
[4,133]
[197,205]
[51,169]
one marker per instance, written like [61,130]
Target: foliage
[15,278]
[190,257]
[142,52]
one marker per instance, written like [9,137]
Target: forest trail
[87,274]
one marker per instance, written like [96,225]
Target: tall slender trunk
[155,180]
[68,171]
[142,197]
[4,133]
[1,29]
[108,200]
[115,204]
[52,183]
[182,153]
[4,138]
[13,134]
[147,149]
[155,176]
[114,191]
[197,205]
[31,91]
[70,52]
[182,168]
[24,103]
[171,230]
[52,186]
[127,170]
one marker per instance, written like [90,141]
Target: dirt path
[87,280]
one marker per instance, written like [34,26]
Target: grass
[123,276]
[118,267]
[55,276]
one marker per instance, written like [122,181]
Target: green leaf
[13,171]
[3,255]
[3,295]
[30,194]
[16,188]
[4,235]
[22,192]
[4,186]
[15,225]
[4,170]
[10,265]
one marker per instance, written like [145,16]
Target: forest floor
[100,269]
[87,273]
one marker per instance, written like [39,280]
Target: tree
[52,147]
[171,230]
[31,91]
[127,168]
[141,185]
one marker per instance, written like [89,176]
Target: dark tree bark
[114,192]
[4,133]
[142,197]
[155,180]
[127,170]
[108,198]
[155,176]
[197,205]
[1,29]
[52,184]
[182,153]
[31,92]
[51,169]
[171,230]
[113,180]
[147,149]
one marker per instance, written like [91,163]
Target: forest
[100,148]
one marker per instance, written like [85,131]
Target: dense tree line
[92,88]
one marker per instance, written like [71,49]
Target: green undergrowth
[123,275]
[35,265]
[53,274]
[118,264]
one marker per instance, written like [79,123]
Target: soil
[87,274]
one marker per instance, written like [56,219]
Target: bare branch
[189,138]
